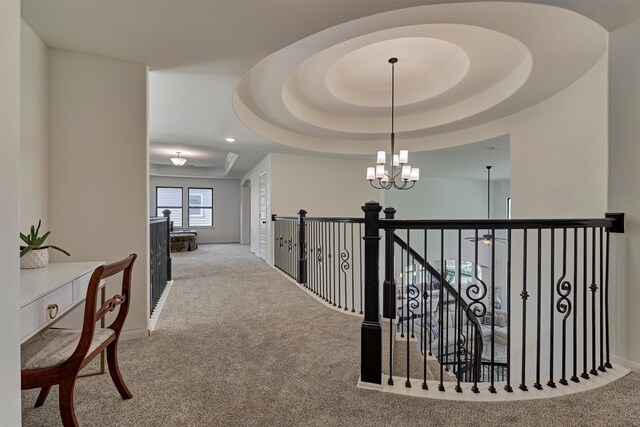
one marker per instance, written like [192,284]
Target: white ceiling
[200,50]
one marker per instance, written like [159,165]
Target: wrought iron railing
[324,255]
[568,331]
[457,343]
[159,258]
[532,303]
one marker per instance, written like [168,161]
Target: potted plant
[33,254]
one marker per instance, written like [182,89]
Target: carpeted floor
[239,345]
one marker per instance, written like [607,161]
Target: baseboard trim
[467,394]
[314,296]
[628,364]
[134,334]
[156,311]
[369,386]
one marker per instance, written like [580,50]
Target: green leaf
[33,233]
[41,240]
[24,251]
[38,229]
[25,239]
[56,248]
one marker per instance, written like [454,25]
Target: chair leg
[67,411]
[44,392]
[114,370]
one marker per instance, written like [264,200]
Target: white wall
[34,170]
[624,177]
[440,198]
[559,152]
[9,213]
[322,186]
[226,206]
[98,178]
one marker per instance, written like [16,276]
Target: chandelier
[400,175]
[178,161]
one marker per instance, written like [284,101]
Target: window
[170,198]
[201,207]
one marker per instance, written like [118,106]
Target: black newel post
[371,331]
[302,248]
[389,287]
[167,214]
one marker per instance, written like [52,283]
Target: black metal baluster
[392,328]
[593,289]
[477,356]
[551,383]
[458,315]
[360,226]
[564,305]
[584,374]
[334,259]
[525,296]
[405,269]
[325,260]
[539,307]
[424,315]
[574,377]
[440,314]
[606,303]
[492,387]
[339,260]
[353,282]
[402,290]
[508,387]
[601,368]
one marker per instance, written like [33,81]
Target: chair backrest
[91,315]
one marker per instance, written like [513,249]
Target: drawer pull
[52,311]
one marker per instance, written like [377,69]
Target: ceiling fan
[487,238]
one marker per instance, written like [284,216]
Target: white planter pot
[36,258]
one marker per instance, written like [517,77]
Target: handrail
[452,291]
[496,224]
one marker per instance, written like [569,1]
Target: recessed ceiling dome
[460,65]
[427,68]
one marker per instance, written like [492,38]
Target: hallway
[238,344]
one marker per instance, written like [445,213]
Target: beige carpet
[239,345]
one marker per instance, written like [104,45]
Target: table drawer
[80,286]
[36,314]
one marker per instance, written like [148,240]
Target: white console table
[48,293]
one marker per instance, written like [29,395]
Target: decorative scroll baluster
[563,288]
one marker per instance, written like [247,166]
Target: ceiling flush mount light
[399,175]
[488,238]
[230,139]
[178,161]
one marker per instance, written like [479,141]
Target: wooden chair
[58,355]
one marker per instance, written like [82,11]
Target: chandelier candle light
[398,162]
